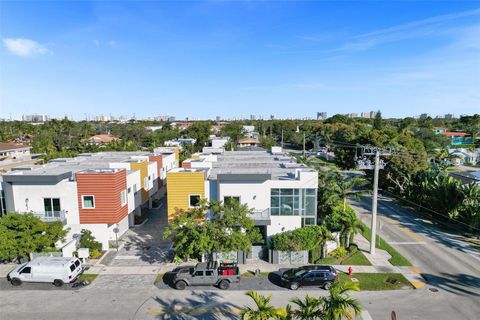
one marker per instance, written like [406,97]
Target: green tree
[27,233]
[377,121]
[229,229]
[346,187]
[234,130]
[346,222]
[263,310]
[339,305]
[87,240]
[201,132]
[308,309]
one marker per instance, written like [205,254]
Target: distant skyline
[221,58]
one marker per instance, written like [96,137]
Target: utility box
[83,253]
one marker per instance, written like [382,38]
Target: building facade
[100,192]
[281,193]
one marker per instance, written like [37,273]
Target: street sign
[116,230]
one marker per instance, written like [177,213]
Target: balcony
[261,217]
[51,216]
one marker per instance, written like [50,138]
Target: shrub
[339,253]
[87,240]
[353,248]
[94,254]
[306,238]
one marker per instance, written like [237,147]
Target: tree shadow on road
[459,284]
[201,305]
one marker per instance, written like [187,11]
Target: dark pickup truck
[207,274]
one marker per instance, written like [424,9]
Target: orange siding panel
[106,188]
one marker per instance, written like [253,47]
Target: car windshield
[300,272]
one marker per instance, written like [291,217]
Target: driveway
[144,244]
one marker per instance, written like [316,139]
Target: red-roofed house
[103,138]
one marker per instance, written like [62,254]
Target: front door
[26,274]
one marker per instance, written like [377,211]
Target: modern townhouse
[100,192]
[281,192]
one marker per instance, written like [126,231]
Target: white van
[56,270]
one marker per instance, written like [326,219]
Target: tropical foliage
[229,228]
[306,238]
[22,234]
[337,305]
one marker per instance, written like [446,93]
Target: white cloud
[411,30]
[112,43]
[25,47]
[96,43]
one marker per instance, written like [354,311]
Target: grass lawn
[377,281]
[397,259]
[159,278]
[325,163]
[356,259]
[251,274]
[88,277]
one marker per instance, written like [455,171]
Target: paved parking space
[268,282]
[144,245]
[122,281]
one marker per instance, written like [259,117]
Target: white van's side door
[26,274]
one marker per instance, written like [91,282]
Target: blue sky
[209,58]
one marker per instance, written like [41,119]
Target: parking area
[144,245]
[270,281]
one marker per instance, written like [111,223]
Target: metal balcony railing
[261,214]
[51,216]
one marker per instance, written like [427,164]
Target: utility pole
[373,227]
[364,163]
[282,139]
[304,144]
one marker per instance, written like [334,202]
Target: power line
[431,210]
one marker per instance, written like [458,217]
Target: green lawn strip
[250,274]
[377,281]
[356,259]
[87,277]
[397,259]
[159,278]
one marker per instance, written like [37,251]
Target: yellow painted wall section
[143,168]
[179,186]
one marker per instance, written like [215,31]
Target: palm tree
[323,235]
[308,309]
[339,305]
[345,187]
[351,225]
[263,309]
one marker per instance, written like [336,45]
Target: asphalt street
[448,265]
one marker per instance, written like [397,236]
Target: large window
[294,202]
[51,204]
[3,205]
[123,197]
[88,202]
[230,201]
[194,200]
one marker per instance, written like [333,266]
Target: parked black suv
[313,275]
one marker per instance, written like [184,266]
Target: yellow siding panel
[179,186]
[143,168]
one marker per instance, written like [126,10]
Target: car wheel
[293,286]
[16,282]
[327,285]
[180,285]
[57,283]
[224,285]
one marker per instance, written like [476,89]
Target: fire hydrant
[350,271]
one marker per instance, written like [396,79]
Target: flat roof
[262,164]
[59,169]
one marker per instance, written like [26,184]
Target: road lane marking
[411,234]
[417,284]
